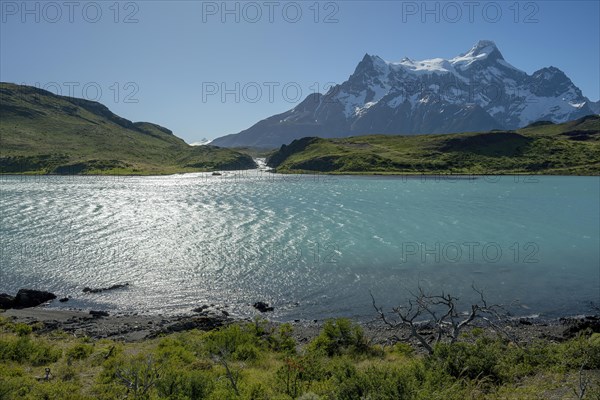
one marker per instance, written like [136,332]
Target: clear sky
[206,69]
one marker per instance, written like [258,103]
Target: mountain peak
[482,44]
[550,70]
[551,74]
[484,49]
[370,65]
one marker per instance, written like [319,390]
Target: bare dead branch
[442,312]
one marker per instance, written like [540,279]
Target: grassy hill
[571,148]
[44,133]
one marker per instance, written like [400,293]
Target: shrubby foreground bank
[261,360]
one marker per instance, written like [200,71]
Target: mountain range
[475,91]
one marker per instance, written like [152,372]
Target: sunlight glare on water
[311,245]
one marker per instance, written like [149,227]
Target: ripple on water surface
[313,247]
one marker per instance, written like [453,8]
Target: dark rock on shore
[262,306]
[64,300]
[26,298]
[98,314]
[204,323]
[99,290]
[576,325]
[6,301]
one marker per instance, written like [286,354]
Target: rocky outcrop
[262,306]
[275,159]
[574,326]
[204,323]
[26,298]
[98,314]
[6,301]
[100,290]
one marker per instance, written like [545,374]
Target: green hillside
[44,133]
[571,148]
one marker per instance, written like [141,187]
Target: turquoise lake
[313,246]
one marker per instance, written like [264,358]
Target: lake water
[313,246]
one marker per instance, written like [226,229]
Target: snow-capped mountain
[475,91]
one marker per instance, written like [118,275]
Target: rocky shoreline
[29,306]
[127,327]
[135,327]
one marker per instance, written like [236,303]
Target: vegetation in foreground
[41,133]
[251,361]
[571,148]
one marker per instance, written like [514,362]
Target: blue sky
[206,69]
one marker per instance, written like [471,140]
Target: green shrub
[377,382]
[235,341]
[282,340]
[177,384]
[14,382]
[247,352]
[404,349]
[56,390]
[309,396]
[22,329]
[300,372]
[259,327]
[257,391]
[108,391]
[518,362]
[290,376]
[80,351]
[430,382]
[477,332]
[341,336]
[139,375]
[109,368]
[35,351]
[581,351]
[171,348]
[105,350]
[66,372]
[465,360]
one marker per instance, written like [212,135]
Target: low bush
[339,337]
[80,351]
[239,342]
[33,350]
